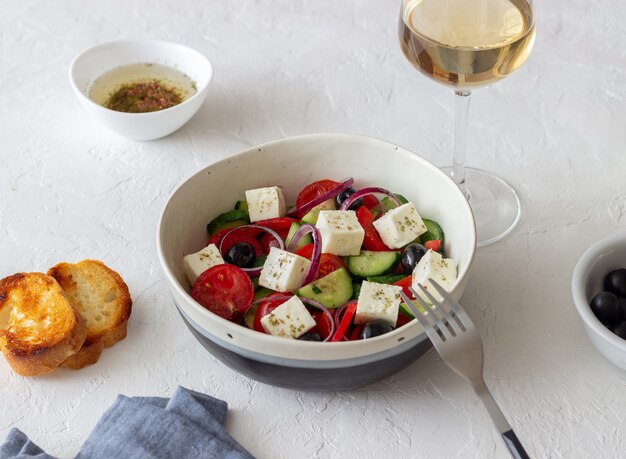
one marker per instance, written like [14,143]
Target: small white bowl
[89,65]
[601,258]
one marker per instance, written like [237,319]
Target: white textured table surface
[72,190]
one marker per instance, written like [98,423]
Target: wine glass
[467,44]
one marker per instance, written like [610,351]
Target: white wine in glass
[467,44]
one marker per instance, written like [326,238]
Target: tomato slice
[314,190]
[434,245]
[324,324]
[405,284]
[372,240]
[329,263]
[267,306]
[225,290]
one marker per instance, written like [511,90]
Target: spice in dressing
[141,88]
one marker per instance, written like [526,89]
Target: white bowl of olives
[599,293]
[141,89]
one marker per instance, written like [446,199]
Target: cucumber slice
[311,217]
[389,279]
[387,204]
[248,318]
[370,263]
[304,240]
[332,290]
[227,220]
[434,232]
[407,312]
[242,205]
[260,261]
[262,293]
[356,289]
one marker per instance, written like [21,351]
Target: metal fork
[453,334]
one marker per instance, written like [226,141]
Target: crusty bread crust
[40,327]
[102,298]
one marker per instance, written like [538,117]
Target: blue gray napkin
[188,425]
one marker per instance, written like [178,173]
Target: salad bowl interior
[292,163]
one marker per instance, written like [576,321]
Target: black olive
[310,337]
[240,254]
[341,197]
[620,329]
[373,329]
[606,307]
[622,304]
[615,282]
[411,256]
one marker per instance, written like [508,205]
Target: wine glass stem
[460,136]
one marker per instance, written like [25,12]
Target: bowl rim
[200,90]
[579,282]
[173,282]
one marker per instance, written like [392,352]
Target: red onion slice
[302,211]
[317,249]
[256,271]
[364,191]
[312,303]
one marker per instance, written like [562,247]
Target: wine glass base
[495,204]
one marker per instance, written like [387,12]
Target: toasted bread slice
[39,328]
[102,298]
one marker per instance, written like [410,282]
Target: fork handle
[502,425]
[515,446]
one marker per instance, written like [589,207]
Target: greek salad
[329,269]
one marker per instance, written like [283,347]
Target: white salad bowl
[92,63]
[292,163]
[597,261]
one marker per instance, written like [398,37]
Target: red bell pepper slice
[240,233]
[372,240]
[345,322]
[405,284]
[355,334]
[306,251]
[370,201]
[278,224]
[434,245]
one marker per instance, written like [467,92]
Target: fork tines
[440,318]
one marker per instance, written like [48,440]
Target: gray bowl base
[312,379]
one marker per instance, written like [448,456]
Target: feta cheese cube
[264,203]
[378,303]
[196,263]
[400,225]
[289,320]
[341,232]
[283,271]
[433,265]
